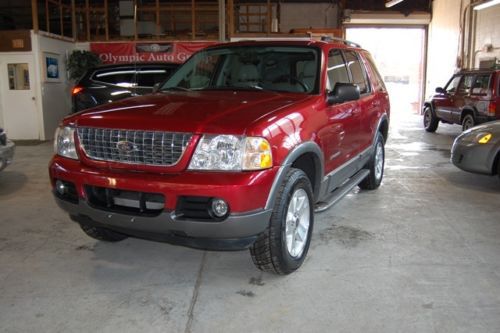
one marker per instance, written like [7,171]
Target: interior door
[17,84]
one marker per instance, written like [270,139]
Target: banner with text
[128,52]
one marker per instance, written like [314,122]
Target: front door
[18,103]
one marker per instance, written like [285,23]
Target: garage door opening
[400,57]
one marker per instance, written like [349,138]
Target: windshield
[278,68]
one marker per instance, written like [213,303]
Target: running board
[340,192]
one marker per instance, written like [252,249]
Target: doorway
[400,56]
[18,103]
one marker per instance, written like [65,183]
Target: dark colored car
[109,83]
[236,150]
[471,97]
[6,150]
[478,149]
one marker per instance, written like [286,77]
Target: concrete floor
[420,254]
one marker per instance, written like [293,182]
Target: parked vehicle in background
[109,83]
[236,150]
[478,149]
[6,150]
[469,98]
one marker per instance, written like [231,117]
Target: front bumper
[474,158]
[6,154]
[234,233]
[245,192]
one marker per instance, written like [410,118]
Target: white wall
[56,98]
[487,32]
[443,42]
[307,15]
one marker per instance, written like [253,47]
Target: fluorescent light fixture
[486,4]
[391,3]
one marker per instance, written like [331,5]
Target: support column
[222,20]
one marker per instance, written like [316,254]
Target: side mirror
[440,90]
[156,87]
[343,92]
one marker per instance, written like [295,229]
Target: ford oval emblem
[126,147]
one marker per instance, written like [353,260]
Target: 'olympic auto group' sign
[176,52]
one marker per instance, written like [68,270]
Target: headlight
[64,142]
[231,152]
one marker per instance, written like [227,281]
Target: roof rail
[337,39]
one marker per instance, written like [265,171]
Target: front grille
[132,146]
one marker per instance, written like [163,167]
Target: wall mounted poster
[52,70]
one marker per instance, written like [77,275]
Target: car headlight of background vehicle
[64,142]
[231,152]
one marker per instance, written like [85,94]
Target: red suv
[471,97]
[236,150]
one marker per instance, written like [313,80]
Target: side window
[481,84]
[380,82]
[119,77]
[337,69]
[357,71]
[452,85]
[148,77]
[465,85]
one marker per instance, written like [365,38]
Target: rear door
[460,98]
[368,106]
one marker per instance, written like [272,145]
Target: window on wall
[18,76]
[55,16]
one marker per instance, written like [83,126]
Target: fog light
[60,187]
[219,207]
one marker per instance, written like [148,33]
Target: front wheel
[375,166]
[283,246]
[468,122]
[431,122]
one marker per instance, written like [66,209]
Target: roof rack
[337,39]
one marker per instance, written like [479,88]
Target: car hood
[228,112]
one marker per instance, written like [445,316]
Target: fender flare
[293,155]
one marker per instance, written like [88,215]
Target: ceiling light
[483,5]
[391,3]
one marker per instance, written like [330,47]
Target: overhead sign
[176,52]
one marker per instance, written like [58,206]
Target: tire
[375,165]
[468,122]
[431,122]
[281,249]
[102,234]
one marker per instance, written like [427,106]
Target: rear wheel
[468,122]
[283,246]
[375,165]
[431,122]
[102,234]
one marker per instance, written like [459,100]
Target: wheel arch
[307,157]
[465,112]
[383,128]
[495,168]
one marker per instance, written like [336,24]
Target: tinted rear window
[120,77]
[148,77]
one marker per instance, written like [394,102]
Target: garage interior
[421,254]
